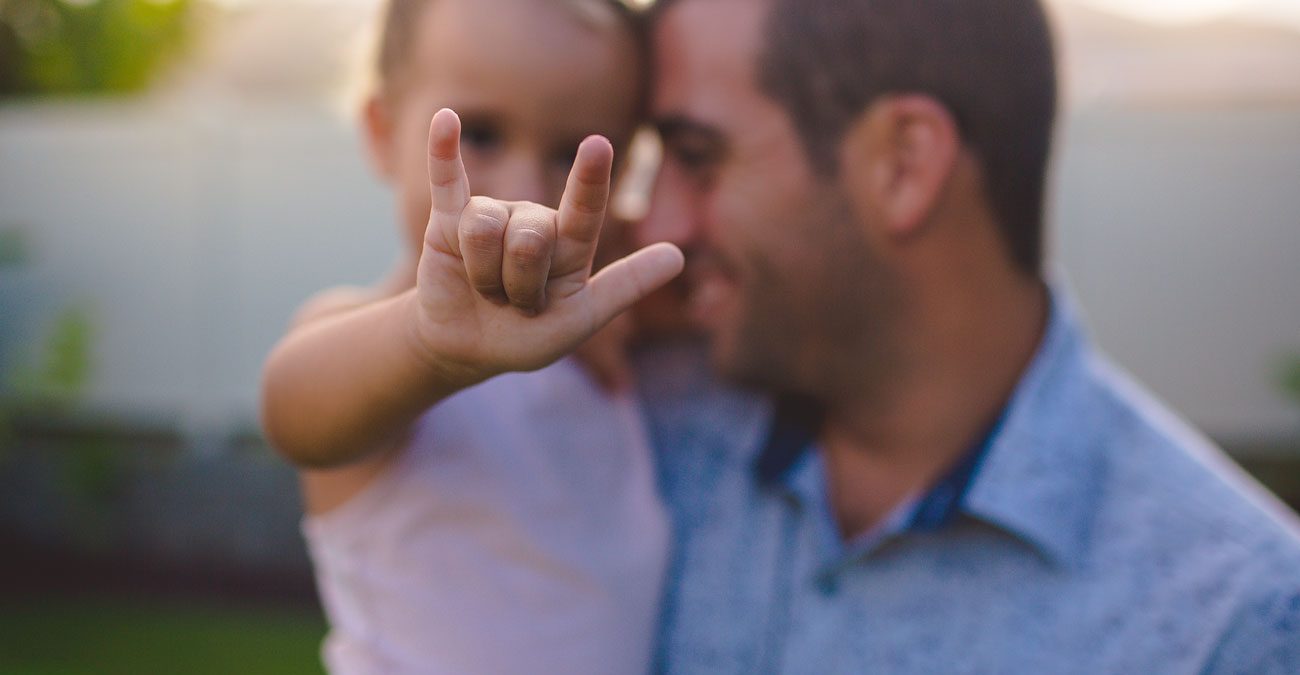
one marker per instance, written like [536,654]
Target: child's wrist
[444,374]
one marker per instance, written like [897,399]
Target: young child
[512,527]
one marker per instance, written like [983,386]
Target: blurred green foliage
[1291,378]
[50,385]
[47,387]
[13,247]
[108,637]
[61,371]
[88,46]
[54,377]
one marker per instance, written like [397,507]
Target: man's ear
[897,159]
[378,126]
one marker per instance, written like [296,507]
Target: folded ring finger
[526,265]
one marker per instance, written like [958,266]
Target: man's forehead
[705,54]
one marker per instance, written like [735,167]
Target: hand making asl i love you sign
[507,286]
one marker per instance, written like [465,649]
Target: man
[951,479]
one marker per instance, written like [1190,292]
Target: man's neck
[960,371]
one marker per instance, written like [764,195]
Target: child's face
[529,80]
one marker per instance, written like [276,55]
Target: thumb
[626,281]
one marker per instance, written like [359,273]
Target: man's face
[780,273]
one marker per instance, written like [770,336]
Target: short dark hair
[991,63]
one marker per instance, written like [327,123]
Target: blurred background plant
[13,253]
[89,46]
[13,248]
[47,384]
[1291,378]
[52,380]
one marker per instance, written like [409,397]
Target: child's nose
[522,178]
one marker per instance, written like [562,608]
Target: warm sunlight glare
[1188,11]
[1171,11]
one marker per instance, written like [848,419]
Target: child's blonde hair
[392,44]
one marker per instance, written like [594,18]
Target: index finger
[448,184]
[582,208]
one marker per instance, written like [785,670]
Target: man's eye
[693,156]
[480,137]
[694,159]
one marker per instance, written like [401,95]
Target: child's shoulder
[332,301]
[343,298]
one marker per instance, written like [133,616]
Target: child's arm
[500,287]
[324,490]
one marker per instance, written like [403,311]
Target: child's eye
[563,159]
[480,137]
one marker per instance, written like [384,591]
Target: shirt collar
[1029,474]
[793,432]
[941,505]
[1038,480]
[794,427]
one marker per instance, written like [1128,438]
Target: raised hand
[507,286]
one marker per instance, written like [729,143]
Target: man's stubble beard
[825,328]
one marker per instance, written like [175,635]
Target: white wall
[1180,230]
[193,230]
[196,228]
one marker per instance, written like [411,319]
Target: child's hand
[605,354]
[506,286]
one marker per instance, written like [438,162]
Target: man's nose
[672,215]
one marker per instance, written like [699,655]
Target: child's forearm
[339,388]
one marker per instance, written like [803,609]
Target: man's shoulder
[1161,473]
[1157,518]
[1092,465]
[1184,528]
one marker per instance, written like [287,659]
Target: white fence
[193,229]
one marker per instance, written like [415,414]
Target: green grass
[107,637]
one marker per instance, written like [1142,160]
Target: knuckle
[481,234]
[528,247]
[488,208]
[531,214]
[482,203]
[482,229]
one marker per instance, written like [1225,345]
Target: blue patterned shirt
[1091,533]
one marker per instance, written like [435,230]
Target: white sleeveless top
[520,532]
